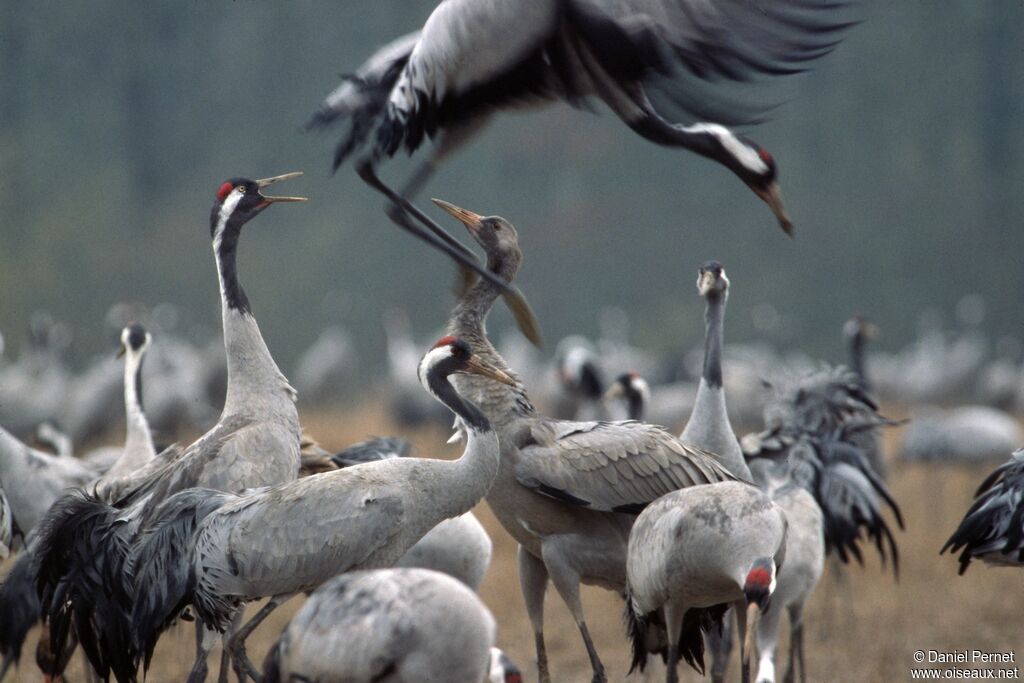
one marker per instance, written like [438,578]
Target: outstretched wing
[721,39]
[611,466]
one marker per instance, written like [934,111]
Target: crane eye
[241,189]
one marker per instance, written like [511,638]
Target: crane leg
[236,644]
[719,645]
[740,608]
[796,645]
[673,629]
[567,582]
[225,656]
[533,581]
[205,638]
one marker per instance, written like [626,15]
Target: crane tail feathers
[80,554]
[164,579]
[19,605]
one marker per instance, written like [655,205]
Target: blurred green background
[901,159]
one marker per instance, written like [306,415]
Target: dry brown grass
[862,625]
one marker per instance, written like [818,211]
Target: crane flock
[708,538]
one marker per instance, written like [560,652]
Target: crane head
[752,163]
[495,235]
[451,355]
[711,279]
[134,338]
[242,199]
[763,181]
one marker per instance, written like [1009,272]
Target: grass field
[862,625]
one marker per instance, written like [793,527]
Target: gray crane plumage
[709,426]
[475,57]
[138,446]
[290,538]
[459,547]
[255,443]
[33,479]
[6,526]
[18,599]
[992,530]
[805,560]
[395,625]
[691,554]
[565,491]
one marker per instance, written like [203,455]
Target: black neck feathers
[636,404]
[227,250]
[712,373]
[138,384]
[445,392]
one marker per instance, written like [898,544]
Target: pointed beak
[121,351]
[872,331]
[466,217]
[264,182]
[753,616]
[772,196]
[705,282]
[614,391]
[476,366]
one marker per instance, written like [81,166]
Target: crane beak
[476,366]
[872,331]
[121,351]
[753,616]
[471,220]
[276,179]
[614,392]
[516,301]
[772,196]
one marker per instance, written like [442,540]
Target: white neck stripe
[732,144]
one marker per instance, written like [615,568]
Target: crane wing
[713,40]
[611,466]
[471,55]
[287,538]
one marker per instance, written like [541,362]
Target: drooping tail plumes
[80,551]
[371,450]
[647,634]
[362,96]
[993,528]
[827,425]
[637,628]
[19,609]
[162,566]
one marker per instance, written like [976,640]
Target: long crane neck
[855,352]
[635,405]
[714,323]
[709,426]
[468,321]
[138,439]
[472,474]
[256,386]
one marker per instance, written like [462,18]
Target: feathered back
[372,450]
